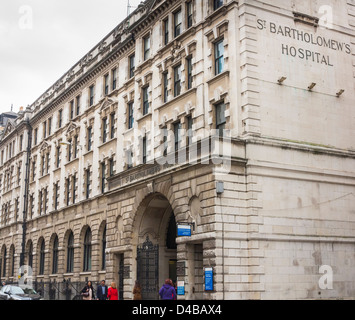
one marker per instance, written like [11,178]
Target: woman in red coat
[112,293]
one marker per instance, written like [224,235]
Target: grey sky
[42,39]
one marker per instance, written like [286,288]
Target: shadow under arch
[154,243]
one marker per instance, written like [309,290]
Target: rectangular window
[189,72]
[89,137]
[189,130]
[67,187]
[129,155]
[35,136]
[217,4]
[43,162]
[40,202]
[144,151]
[177,81]
[114,78]
[103,177]
[58,156]
[49,126]
[220,118]
[56,194]
[60,118]
[219,58]
[44,129]
[91,95]
[69,146]
[73,190]
[189,14]
[88,183]
[177,23]
[45,194]
[106,84]
[112,124]
[165,87]
[111,167]
[165,141]
[145,100]
[130,115]
[131,66]
[71,109]
[47,163]
[146,45]
[166,31]
[104,130]
[21,142]
[78,105]
[177,135]
[75,147]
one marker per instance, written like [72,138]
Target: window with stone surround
[165,27]
[56,190]
[146,47]
[217,4]
[106,84]
[218,48]
[91,95]
[177,23]
[131,65]
[108,113]
[114,78]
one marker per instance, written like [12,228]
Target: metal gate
[148,270]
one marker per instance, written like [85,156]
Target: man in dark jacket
[167,291]
[101,291]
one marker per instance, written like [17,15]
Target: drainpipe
[26,193]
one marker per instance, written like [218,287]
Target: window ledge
[218,77]
[177,98]
[107,142]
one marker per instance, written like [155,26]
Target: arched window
[103,254]
[3,265]
[55,256]
[30,255]
[87,251]
[70,253]
[42,257]
[12,260]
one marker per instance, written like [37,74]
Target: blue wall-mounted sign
[181,288]
[184,230]
[208,279]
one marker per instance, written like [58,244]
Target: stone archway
[154,236]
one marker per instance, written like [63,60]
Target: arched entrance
[155,236]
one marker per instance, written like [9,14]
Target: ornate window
[42,257]
[87,250]
[55,255]
[70,253]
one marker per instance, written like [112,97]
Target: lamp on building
[313,84]
[68,144]
[281,80]
[340,93]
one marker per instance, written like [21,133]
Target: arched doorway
[155,236]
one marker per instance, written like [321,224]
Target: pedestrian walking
[137,291]
[167,291]
[112,292]
[88,292]
[102,291]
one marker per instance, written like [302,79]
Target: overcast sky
[40,40]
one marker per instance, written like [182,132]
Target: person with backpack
[167,291]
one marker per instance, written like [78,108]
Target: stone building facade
[233,117]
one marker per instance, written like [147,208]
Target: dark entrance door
[148,270]
[120,277]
